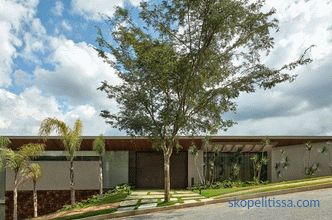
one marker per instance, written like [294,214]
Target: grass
[224,192]
[86,214]
[138,203]
[107,198]
[161,204]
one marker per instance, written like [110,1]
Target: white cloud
[94,10]
[58,8]
[22,78]
[32,106]
[65,25]
[77,74]
[302,107]
[14,14]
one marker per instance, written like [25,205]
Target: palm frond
[31,150]
[99,145]
[33,172]
[73,141]
[4,142]
[11,159]
[52,124]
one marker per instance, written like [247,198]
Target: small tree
[33,172]
[18,162]
[71,139]
[99,147]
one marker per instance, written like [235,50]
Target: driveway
[223,211]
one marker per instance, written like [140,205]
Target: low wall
[298,159]
[48,201]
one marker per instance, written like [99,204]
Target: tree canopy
[184,63]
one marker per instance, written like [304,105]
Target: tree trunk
[167,179]
[15,199]
[35,202]
[72,190]
[100,175]
[198,171]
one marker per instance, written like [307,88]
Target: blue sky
[48,67]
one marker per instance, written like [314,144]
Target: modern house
[132,160]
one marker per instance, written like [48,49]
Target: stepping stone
[149,201]
[139,193]
[156,193]
[128,202]
[186,195]
[126,208]
[189,201]
[205,200]
[183,192]
[145,197]
[171,199]
[147,206]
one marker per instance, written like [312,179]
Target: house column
[115,168]
[195,168]
[2,193]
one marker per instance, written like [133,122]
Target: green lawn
[95,200]
[225,192]
[86,214]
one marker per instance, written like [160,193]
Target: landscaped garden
[124,199]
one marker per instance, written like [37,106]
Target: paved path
[222,211]
[147,199]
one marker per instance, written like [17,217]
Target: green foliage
[71,138]
[225,184]
[282,165]
[4,142]
[33,172]
[20,159]
[183,64]
[87,214]
[193,150]
[311,170]
[117,194]
[99,145]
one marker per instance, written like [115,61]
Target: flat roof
[140,143]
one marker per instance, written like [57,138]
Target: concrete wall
[56,176]
[192,167]
[115,168]
[2,193]
[298,159]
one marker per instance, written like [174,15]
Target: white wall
[298,158]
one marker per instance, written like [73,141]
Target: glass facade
[231,166]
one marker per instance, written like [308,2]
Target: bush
[225,184]
[116,194]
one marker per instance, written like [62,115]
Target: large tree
[183,63]
[18,162]
[71,140]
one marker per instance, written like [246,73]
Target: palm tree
[33,172]
[18,162]
[99,147]
[71,139]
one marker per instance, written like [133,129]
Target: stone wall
[48,201]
